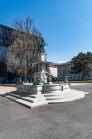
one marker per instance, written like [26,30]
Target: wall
[63,70]
[3,52]
[53,71]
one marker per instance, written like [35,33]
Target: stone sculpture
[41,45]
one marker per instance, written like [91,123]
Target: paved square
[70,120]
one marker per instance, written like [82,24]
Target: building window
[1,31]
[74,76]
[8,33]
[1,40]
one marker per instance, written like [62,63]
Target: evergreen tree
[80,64]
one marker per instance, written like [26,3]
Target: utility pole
[25,65]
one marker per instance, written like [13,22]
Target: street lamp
[25,64]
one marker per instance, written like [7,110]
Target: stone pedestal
[37,95]
[42,89]
[42,57]
[31,89]
[52,88]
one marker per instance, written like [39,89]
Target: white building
[52,69]
[63,70]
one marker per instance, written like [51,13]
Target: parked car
[3,80]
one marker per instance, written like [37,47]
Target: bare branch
[23,43]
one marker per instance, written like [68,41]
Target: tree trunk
[82,77]
[79,76]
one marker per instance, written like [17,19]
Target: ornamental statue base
[37,95]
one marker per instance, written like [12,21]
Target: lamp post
[25,65]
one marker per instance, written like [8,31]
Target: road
[71,120]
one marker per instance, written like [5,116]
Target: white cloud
[62,62]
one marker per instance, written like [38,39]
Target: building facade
[5,33]
[63,70]
[52,69]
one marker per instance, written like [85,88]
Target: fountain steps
[30,101]
[73,98]
[65,96]
[34,100]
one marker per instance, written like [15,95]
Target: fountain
[42,91]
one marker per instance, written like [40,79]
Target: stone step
[27,103]
[47,92]
[31,105]
[16,95]
[69,90]
[63,96]
[34,99]
[36,96]
[66,99]
[62,93]
[11,97]
[29,98]
[27,95]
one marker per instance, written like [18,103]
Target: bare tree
[22,53]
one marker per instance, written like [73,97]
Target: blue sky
[66,25]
